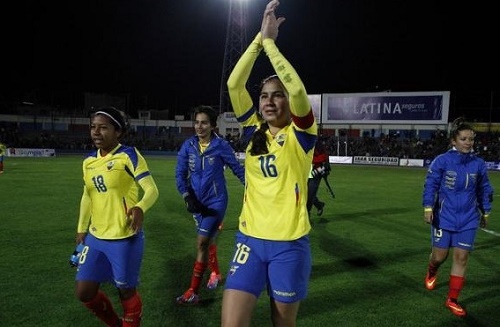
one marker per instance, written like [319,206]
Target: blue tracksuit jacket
[202,174]
[458,189]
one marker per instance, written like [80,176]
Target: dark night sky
[173,50]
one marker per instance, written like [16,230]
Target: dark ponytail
[259,138]
[259,141]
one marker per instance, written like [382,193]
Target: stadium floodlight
[235,45]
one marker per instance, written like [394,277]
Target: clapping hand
[270,24]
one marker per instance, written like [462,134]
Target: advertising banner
[340,160]
[386,108]
[315,100]
[27,152]
[493,165]
[385,161]
[411,162]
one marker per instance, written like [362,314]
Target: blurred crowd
[487,144]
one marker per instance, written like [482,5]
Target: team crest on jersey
[192,161]
[211,160]
[110,165]
[280,139]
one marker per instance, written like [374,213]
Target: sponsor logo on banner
[27,152]
[386,161]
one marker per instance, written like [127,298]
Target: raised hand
[270,24]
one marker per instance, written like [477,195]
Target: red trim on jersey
[304,122]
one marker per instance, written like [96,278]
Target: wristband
[427,209]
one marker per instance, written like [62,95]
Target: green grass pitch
[370,251]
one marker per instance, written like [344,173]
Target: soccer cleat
[214,280]
[430,282]
[320,206]
[189,297]
[455,308]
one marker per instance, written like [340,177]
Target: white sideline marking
[490,232]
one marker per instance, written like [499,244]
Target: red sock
[213,263]
[103,309]
[1,166]
[198,270]
[132,311]
[456,285]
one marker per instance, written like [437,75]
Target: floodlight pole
[236,41]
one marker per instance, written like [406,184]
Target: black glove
[484,220]
[192,204]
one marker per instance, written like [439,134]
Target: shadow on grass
[378,279]
[358,215]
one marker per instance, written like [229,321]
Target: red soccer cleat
[214,280]
[430,282]
[455,308]
[189,297]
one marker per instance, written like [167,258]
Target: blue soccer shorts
[208,223]
[444,239]
[115,261]
[283,266]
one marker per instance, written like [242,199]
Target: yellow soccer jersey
[282,172]
[111,185]
[3,149]
[274,204]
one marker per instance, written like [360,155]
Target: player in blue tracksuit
[457,200]
[200,179]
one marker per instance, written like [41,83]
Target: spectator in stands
[456,199]
[201,182]
[111,220]
[272,247]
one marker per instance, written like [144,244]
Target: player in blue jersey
[272,250]
[200,180]
[456,199]
[111,219]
